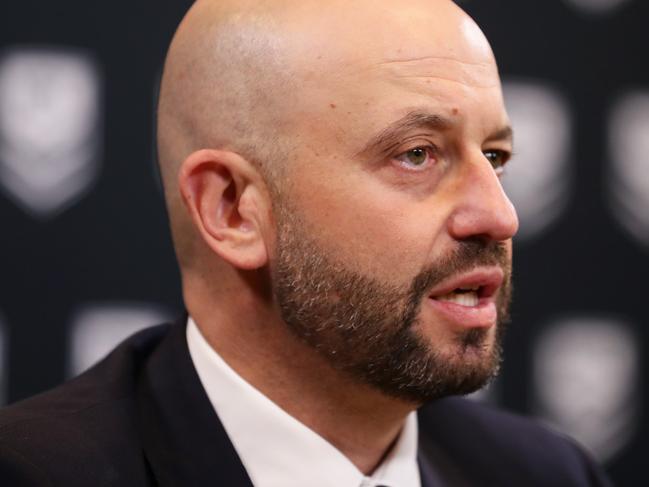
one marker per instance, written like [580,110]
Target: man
[331,171]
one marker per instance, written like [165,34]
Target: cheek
[377,230]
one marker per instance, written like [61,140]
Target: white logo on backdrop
[629,149]
[96,330]
[596,6]
[50,133]
[586,382]
[538,179]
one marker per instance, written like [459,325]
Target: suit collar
[184,441]
[253,421]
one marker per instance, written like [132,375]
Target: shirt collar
[278,450]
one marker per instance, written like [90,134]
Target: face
[393,233]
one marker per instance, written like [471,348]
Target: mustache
[468,255]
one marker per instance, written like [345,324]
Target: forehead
[384,68]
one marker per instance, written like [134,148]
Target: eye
[418,157]
[498,158]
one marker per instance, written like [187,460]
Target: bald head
[221,89]
[221,82]
[258,78]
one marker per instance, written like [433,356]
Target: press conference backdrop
[86,258]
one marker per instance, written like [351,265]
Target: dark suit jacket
[141,418]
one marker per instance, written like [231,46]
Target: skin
[295,120]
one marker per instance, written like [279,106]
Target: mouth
[469,299]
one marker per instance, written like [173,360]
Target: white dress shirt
[279,451]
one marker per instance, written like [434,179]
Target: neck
[359,421]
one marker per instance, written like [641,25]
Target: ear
[223,194]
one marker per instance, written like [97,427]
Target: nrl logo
[629,149]
[596,6]
[97,328]
[50,135]
[586,382]
[538,181]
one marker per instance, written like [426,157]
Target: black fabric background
[114,243]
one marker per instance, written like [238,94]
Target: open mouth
[463,296]
[468,300]
[470,289]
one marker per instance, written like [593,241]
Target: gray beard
[368,328]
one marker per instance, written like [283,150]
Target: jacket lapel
[184,441]
[442,461]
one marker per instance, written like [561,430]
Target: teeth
[464,299]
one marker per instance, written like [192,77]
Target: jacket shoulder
[85,431]
[501,448]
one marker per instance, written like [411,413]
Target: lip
[485,313]
[489,279]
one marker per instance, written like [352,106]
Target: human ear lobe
[221,193]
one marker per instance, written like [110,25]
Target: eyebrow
[505,134]
[391,136]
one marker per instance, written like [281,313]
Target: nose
[482,209]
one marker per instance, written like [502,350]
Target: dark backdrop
[86,258]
